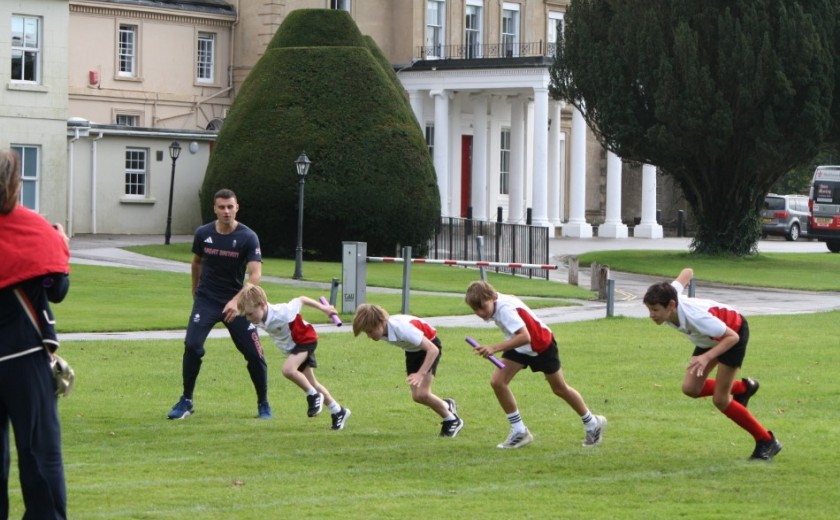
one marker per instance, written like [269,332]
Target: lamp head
[174,150]
[302,163]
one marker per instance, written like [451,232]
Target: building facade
[33,98]
[133,76]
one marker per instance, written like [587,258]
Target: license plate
[767,220]
[823,221]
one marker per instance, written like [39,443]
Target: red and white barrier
[471,263]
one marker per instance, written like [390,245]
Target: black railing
[486,50]
[455,239]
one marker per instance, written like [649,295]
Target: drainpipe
[68,221]
[94,162]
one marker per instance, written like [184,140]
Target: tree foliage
[725,96]
[324,88]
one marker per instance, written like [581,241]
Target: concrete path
[105,250]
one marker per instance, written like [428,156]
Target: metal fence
[455,239]
[487,50]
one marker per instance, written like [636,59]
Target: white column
[648,228]
[577,225]
[441,148]
[540,172]
[555,175]
[479,194]
[415,98]
[612,226]
[517,162]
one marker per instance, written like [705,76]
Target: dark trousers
[205,315]
[28,402]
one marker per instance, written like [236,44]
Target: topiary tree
[324,88]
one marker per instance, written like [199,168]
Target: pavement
[106,250]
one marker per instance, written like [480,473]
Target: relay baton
[333,315]
[492,359]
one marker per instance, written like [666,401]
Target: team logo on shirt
[196,318]
[208,240]
[234,242]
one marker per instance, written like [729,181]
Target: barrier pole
[406,284]
[479,243]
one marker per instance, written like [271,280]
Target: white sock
[590,422]
[516,422]
[312,391]
[335,407]
[449,417]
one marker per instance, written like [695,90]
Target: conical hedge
[320,88]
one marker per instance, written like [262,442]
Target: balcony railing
[486,51]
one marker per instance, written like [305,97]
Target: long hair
[9,180]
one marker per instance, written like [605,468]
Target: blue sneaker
[183,408]
[264,410]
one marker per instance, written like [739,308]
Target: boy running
[720,335]
[528,343]
[422,353]
[297,340]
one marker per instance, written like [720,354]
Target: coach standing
[223,251]
[34,268]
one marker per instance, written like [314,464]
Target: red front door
[466,173]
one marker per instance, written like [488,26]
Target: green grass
[664,456]
[426,277]
[115,299]
[806,271]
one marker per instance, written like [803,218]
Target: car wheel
[833,245]
[793,232]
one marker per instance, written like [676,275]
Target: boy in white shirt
[296,339]
[720,335]
[422,353]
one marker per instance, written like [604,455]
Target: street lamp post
[302,163]
[174,152]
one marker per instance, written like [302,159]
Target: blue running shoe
[264,410]
[183,408]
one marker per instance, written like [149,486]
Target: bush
[320,88]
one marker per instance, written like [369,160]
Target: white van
[824,206]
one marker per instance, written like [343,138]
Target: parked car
[785,215]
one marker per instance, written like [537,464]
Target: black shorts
[547,362]
[415,360]
[734,356]
[310,360]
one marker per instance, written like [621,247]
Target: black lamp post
[174,152]
[302,165]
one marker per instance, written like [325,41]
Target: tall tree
[724,96]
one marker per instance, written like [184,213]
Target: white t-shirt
[704,321]
[286,327]
[512,314]
[407,332]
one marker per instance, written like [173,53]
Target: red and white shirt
[704,321]
[407,332]
[512,314]
[287,327]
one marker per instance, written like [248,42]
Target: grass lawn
[806,271]
[664,455]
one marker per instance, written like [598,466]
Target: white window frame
[341,5]
[30,170]
[29,45]
[435,29]
[510,34]
[124,119]
[136,179]
[504,161]
[555,21]
[205,57]
[473,36]
[430,138]
[127,55]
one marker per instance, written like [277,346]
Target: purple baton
[492,359]
[333,315]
